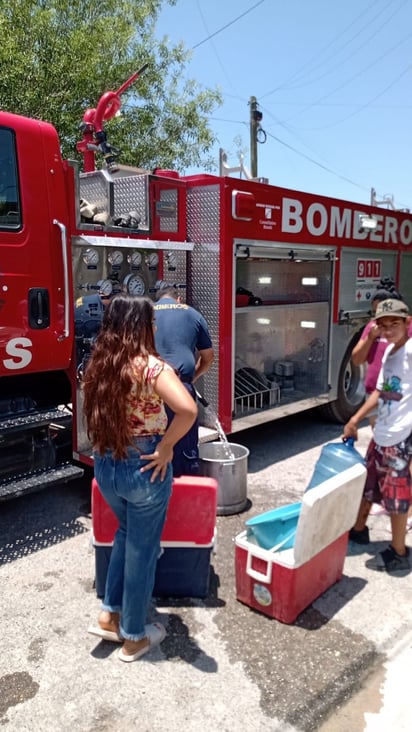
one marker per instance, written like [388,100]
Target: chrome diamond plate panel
[117,195]
[131,194]
[174,268]
[95,188]
[203,274]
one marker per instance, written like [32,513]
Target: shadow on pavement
[336,598]
[39,520]
[371,550]
[178,644]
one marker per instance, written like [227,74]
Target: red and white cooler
[187,540]
[282,584]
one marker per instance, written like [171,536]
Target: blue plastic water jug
[334,458]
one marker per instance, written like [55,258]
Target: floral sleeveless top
[146,415]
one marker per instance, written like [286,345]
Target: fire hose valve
[110,153]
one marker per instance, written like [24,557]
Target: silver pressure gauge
[91,257]
[135,285]
[134,259]
[105,287]
[152,260]
[115,258]
[171,259]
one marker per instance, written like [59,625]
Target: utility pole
[254,122]
[255,118]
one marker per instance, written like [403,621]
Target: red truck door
[35,273]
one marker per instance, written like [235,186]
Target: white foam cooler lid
[327,512]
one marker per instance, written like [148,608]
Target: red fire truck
[284,279]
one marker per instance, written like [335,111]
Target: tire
[351,390]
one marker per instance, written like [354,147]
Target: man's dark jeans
[186,451]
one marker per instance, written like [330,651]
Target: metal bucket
[230,473]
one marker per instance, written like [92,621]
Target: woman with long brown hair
[125,387]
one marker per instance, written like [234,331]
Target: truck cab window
[10,217]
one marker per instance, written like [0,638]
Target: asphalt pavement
[222,667]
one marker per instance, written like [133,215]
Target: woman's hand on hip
[158,461]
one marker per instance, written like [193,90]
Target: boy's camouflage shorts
[388,478]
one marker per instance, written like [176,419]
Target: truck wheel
[351,391]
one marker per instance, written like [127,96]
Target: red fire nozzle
[93,122]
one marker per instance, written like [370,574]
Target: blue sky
[332,79]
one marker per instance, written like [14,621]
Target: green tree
[59,56]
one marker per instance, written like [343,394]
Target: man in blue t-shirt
[182,339]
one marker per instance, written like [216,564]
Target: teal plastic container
[334,458]
[276,528]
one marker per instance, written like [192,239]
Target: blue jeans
[140,507]
[186,451]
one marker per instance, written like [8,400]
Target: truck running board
[34,420]
[32,482]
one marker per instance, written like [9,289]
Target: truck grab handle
[63,236]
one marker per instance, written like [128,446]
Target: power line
[304,71]
[301,154]
[214,49]
[212,35]
[340,104]
[297,152]
[367,104]
[317,55]
[331,68]
[231,121]
[289,129]
[326,168]
[355,76]
[319,165]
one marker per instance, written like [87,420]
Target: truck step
[34,420]
[32,482]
